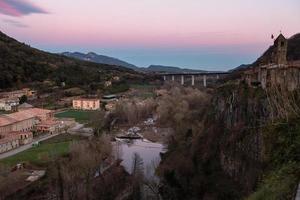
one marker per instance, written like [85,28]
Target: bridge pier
[204,81]
[206,77]
[193,80]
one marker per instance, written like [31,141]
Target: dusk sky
[199,34]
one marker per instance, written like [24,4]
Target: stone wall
[284,76]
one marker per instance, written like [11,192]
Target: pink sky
[193,25]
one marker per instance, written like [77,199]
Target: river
[148,151]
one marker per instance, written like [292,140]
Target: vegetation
[117,87]
[45,152]
[143,86]
[133,111]
[282,158]
[190,169]
[85,172]
[98,122]
[223,146]
[20,64]
[23,99]
[80,116]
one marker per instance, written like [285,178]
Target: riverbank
[149,129]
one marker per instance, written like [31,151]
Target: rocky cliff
[248,147]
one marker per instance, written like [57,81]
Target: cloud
[15,23]
[19,8]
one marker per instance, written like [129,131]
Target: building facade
[48,126]
[9,104]
[24,120]
[13,140]
[16,128]
[86,104]
[9,143]
[19,93]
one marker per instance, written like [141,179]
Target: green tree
[23,99]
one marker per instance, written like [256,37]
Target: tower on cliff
[280,50]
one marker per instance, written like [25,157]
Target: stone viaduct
[193,78]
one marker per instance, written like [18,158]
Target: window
[282,44]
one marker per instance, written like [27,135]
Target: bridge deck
[194,73]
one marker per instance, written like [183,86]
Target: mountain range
[93,57]
[21,64]
[170,69]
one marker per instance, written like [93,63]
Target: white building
[9,104]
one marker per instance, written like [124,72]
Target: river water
[148,151]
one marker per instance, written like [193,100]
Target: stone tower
[280,50]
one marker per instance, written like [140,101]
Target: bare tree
[134,110]
[76,172]
[98,122]
[151,181]
[138,176]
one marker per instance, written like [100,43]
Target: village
[21,122]
[27,128]
[41,124]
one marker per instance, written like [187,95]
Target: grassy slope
[78,115]
[56,146]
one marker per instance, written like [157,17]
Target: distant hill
[21,64]
[241,67]
[169,69]
[93,57]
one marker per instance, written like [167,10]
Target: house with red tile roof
[15,128]
[48,126]
[23,120]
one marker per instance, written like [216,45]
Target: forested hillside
[21,64]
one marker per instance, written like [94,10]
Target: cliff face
[241,142]
[256,125]
[241,111]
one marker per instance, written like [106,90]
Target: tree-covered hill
[21,64]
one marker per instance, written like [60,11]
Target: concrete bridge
[204,77]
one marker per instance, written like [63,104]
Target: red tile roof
[22,115]
[6,120]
